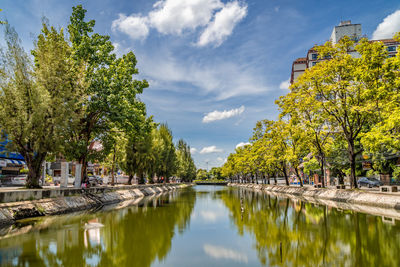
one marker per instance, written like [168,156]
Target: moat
[205,226]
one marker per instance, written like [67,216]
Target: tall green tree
[140,159]
[37,103]
[186,169]
[165,149]
[383,137]
[344,88]
[110,94]
[307,115]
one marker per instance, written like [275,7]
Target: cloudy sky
[215,67]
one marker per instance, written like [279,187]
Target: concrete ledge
[34,194]
[70,199]
[382,200]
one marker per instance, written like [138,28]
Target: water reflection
[133,236]
[228,227]
[219,252]
[311,235]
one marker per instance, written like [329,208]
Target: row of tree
[337,114]
[76,92]
[214,173]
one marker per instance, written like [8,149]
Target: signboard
[8,154]
[366,165]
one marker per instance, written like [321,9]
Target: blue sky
[215,67]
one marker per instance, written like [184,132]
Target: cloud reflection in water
[219,252]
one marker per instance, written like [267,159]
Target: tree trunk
[285,174]
[84,169]
[112,169]
[352,158]
[341,177]
[129,179]
[353,180]
[298,176]
[34,164]
[141,178]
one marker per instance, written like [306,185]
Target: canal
[205,226]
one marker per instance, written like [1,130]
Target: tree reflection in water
[133,236]
[311,235]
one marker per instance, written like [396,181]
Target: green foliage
[215,173]
[165,149]
[311,166]
[201,174]
[396,173]
[110,92]
[344,106]
[186,169]
[77,94]
[37,102]
[140,158]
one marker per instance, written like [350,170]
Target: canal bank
[42,202]
[349,197]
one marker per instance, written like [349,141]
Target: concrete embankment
[369,202]
[60,201]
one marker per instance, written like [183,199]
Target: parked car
[370,182]
[21,180]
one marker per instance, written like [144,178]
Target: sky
[215,67]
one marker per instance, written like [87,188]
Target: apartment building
[345,28]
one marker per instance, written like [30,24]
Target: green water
[205,226]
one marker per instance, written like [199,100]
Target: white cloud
[242,144]
[387,28]
[223,79]
[220,115]
[193,150]
[222,160]
[285,85]
[209,216]
[135,26]
[223,24]
[177,16]
[219,252]
[211,149]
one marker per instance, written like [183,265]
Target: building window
[314,63]
[391,48]
[314,56]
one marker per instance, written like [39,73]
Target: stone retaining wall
[382,200]
[70,200]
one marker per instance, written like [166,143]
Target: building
[345,28]
[10,162]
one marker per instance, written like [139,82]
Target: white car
[21,180]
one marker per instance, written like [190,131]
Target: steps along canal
[205,226]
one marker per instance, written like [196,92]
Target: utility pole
[207,169]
